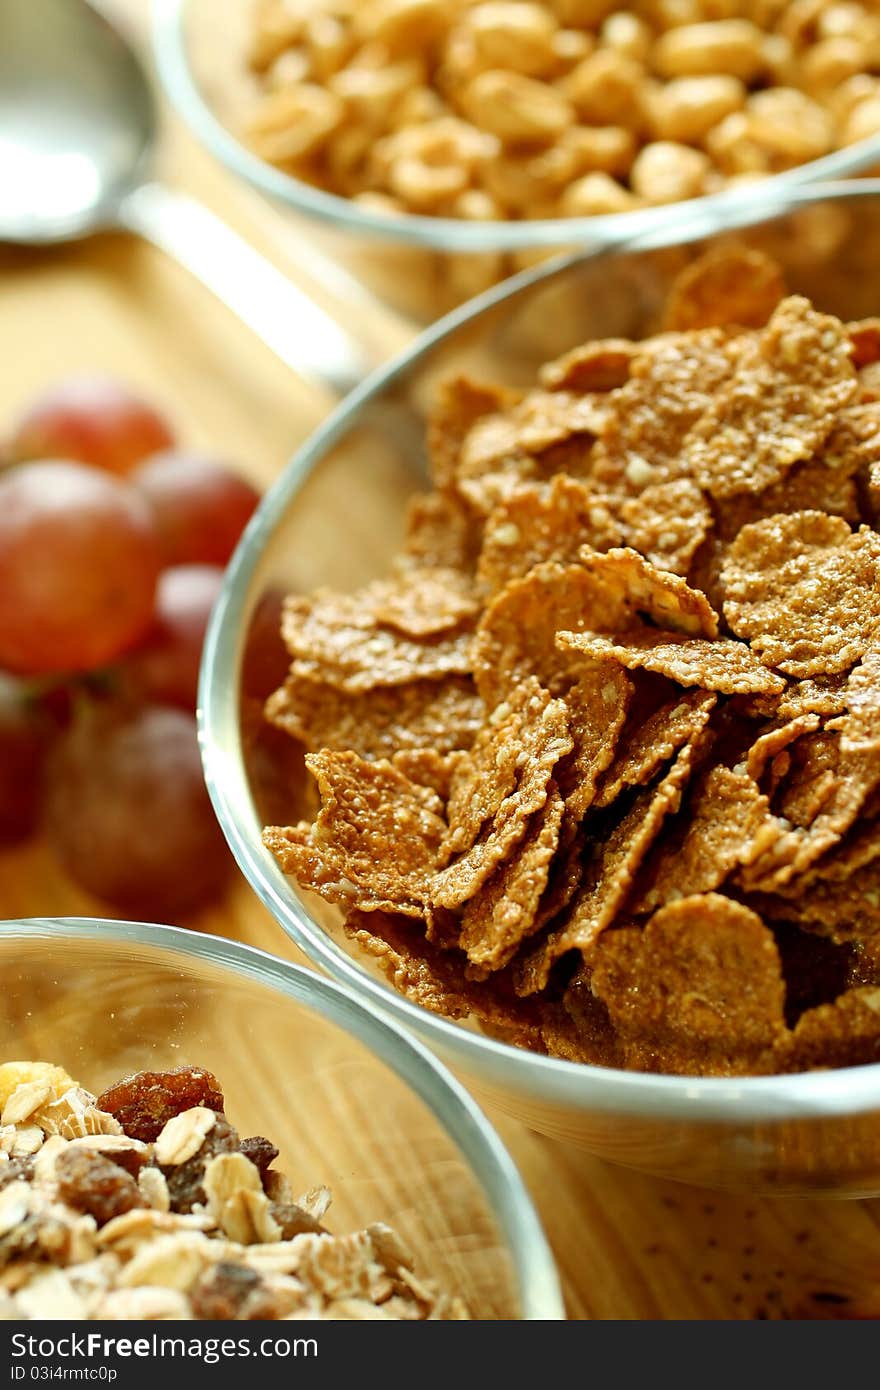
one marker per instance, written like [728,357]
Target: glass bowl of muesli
[192,1128]
[569,758]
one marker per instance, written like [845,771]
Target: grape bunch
[113,543]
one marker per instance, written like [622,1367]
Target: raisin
[294,1221]
[219,1295]
[261,1152]
[131,1160]
[16,1170]
[185,1189]
[94,1184]
[143,1103]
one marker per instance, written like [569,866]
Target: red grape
[91,419]
[24,741]
[166,667]
[128,813]
[79,562]
[201,508]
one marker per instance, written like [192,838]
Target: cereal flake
[730,285]
[698,990]
[366,807]
[442,715]
[497,920]
[726,666]
[540,522]
[608,877]
[804,591]
[778,405]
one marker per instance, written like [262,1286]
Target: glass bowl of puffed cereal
[440,147]
[192,1128]
[571,758]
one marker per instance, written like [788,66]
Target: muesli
[144,1203]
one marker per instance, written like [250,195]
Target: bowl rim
[448,233]
[578,1085]
[455,1110]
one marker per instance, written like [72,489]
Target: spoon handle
[301,333]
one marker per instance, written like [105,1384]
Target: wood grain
[628,1246]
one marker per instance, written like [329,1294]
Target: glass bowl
[335,516]
[349,1099]
[421,265]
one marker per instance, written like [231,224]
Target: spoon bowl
[77,121]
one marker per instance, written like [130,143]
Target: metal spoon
[78,128]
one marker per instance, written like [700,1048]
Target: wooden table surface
[628,1246]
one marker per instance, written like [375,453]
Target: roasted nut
[570,46]
[370,95]
[606,89]
[731,46]
[288,70]
[686,109]
[849,94]
[734,148]
[328,44]
[404,26]
[458,64]
[852,22]
[476,205]
[295,122]
[421,185]
[832,62]
[416,106]
[608,149]
[788,125]
[627,33]
[779,62]
[525,183]
[430,164]
[596,195]
[513,35]
[665,172]
[862,122]
[512,186]
[515,108]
